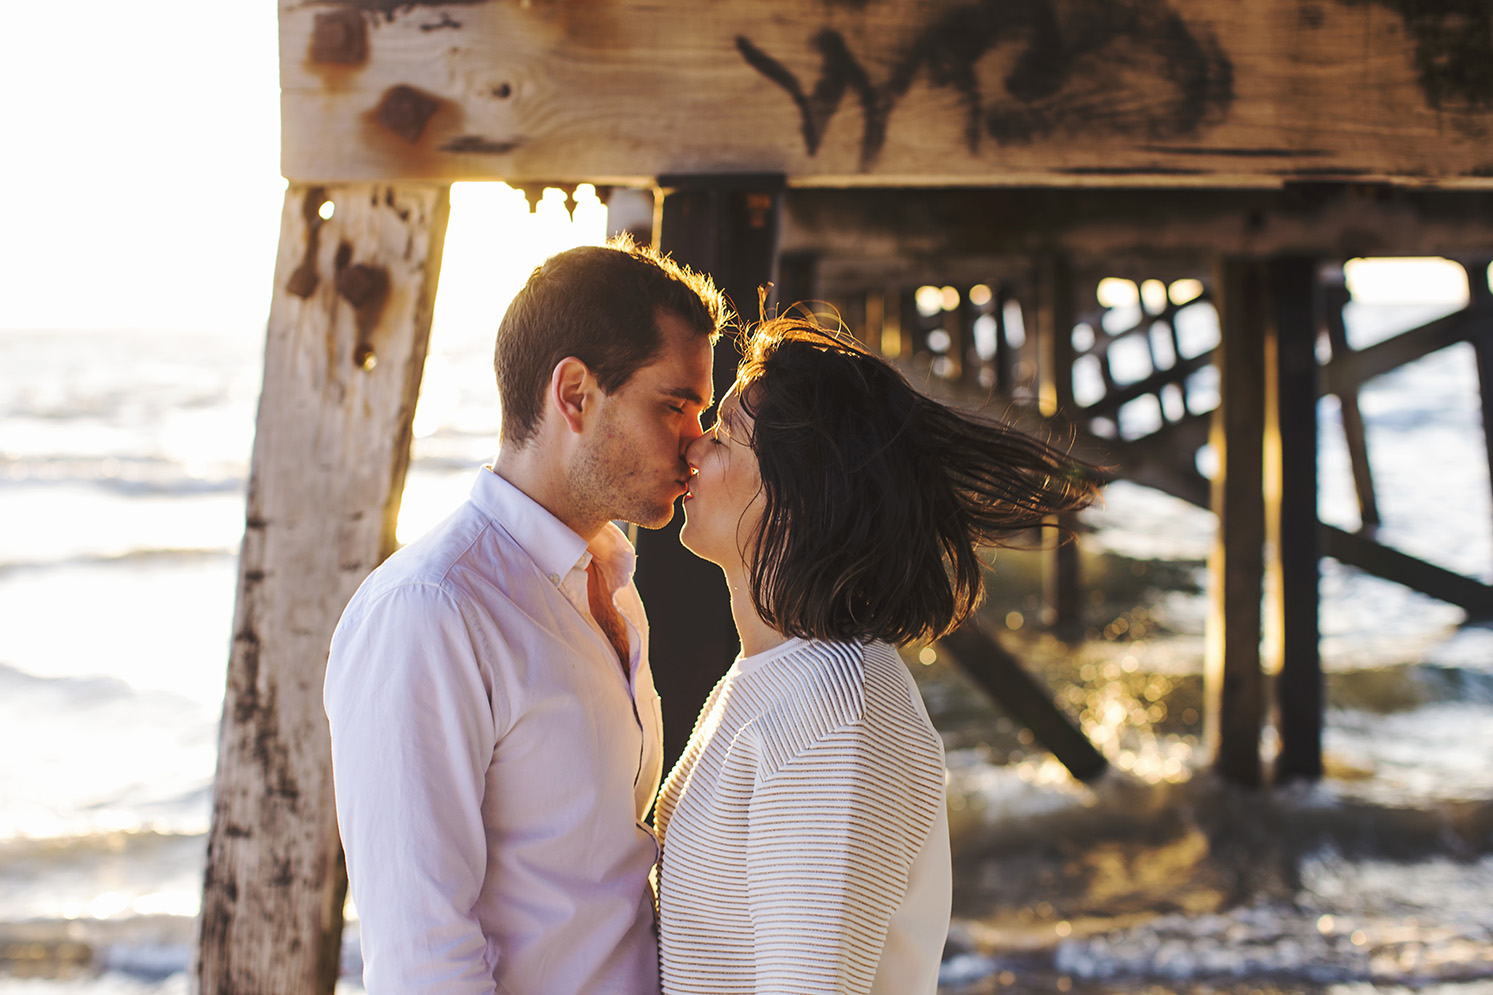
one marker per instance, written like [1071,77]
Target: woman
[805,842]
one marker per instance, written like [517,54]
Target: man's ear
[571,392]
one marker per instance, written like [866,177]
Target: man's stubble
[608,480]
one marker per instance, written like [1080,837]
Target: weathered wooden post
[1480,296]
[1005,358]
[726,226]
[355,280]
[1236,569]
[956,326]
[1054,326]
[1291,513]
[1337,297]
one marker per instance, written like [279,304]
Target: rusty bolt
[405,111]
[340,36]
[758,206]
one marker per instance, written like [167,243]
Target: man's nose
[689,450]
[691,434]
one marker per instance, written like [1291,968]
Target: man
[496,739]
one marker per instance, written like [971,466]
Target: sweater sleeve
[832,834]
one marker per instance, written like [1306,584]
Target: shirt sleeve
[831,837]
[413,733]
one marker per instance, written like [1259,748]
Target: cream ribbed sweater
[805,839]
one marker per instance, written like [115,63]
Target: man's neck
[535,471]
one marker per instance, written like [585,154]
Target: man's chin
[655,518]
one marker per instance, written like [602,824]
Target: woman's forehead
[744,385]
[732,417]
[730,405]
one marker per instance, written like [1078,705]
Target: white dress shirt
[492,762]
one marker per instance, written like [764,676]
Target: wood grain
[349,323]
[912,237]
[1233,677]
[890,92]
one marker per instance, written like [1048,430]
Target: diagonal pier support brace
[1002,676]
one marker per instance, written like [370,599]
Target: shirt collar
[616,555]
[549,542]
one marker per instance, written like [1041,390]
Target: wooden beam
[1349,369]
[798,279]
[924,232]
[913,92]
[1163,459]
[1483,345]
[348,327]
[1113,400]
[956,324]
[1005,359]
[1480,295]
[1345,388]
[1291,513]
[727,227]
[1356,550]
[1053,325]
[836,275]
[1234,681]
[993,667]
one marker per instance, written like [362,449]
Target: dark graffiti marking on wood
[1076,70]
[390,8]
[1453,49]
[841,72]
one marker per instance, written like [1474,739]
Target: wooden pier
[853,152]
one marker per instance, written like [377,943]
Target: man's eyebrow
[683,394]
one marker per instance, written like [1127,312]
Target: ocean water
[123,459]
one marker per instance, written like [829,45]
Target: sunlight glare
[929,301]
[493,243]
[1406,280]
[1115,292]
[1182,291]
[123,148]
[1153,292]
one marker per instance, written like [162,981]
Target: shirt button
[554,578]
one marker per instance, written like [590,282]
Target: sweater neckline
[747,664]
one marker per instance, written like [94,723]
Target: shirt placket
[634,639]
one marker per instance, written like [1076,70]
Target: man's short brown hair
[599,304]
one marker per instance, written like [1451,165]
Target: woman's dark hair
[599,304]
[877,498]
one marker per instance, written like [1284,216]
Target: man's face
[631,467]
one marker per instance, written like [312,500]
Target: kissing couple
[496,735]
